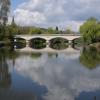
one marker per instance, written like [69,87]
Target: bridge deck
[51,35]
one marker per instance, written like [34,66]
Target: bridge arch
[19,43]
[58,43]
[76,39]
[18,39]
[37,43]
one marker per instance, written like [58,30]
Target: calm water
[50,76]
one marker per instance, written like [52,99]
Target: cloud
[63,79]
[46,13]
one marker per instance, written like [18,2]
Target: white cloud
[47,13]
[25,17]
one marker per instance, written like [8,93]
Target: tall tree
[4,9]
[90,30]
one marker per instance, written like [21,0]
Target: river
[49,75]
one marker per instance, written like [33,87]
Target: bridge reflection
[47,49]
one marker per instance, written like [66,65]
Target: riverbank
[96,45]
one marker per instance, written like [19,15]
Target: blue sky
[15,3]
[52,13]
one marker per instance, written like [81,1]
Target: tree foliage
[4,10]
[90,30]
[50,30]
[35,31]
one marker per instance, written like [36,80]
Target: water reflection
[89,95]
[12,85]
[5,77]
[36,55]
[52,76]
[90,57]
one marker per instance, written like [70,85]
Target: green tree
[35,31]
[90,30]
[23,30]
[57,30]
[4,10]
[52,31]
[68,31]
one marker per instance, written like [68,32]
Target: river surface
[50,76]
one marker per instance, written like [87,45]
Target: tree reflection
[36,55]
[51,55]
[5,77]
[90,57]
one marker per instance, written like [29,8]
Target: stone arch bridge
[48,37]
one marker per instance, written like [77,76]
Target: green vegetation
[4,10]
[35,31]
[50,30]
[91,31]
[69,31]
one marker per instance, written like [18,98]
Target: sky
[51,13]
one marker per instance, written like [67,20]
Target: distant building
[13,22]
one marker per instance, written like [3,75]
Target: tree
[13,27]
[57,29]
[4,10]
[52,31]
[68,31]
[11,30]
[13,22]
[90,30]
[35,31]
